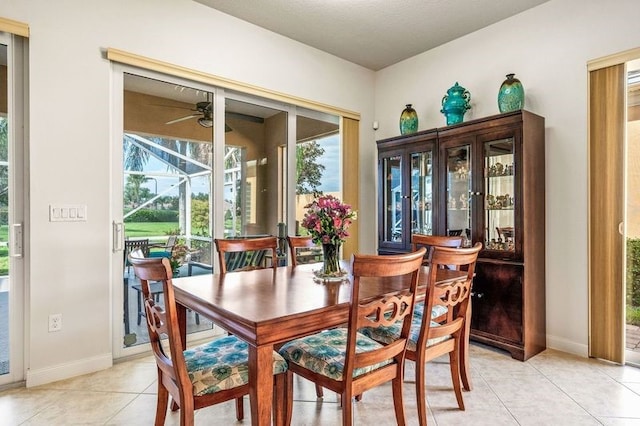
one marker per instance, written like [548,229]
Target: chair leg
[398,403]
[288,400]
[319,391]
[161,404]
[187,413]
[279,400]
[454,362]
[347,408]
[421,397]
[464,351]
[239,409]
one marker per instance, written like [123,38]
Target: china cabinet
[406,184]
[486,184]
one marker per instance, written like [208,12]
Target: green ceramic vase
[455,103]
[408,120]
[511,95]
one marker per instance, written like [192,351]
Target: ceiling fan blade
[183,118]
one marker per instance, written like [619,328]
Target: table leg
[261,384]
[465,371]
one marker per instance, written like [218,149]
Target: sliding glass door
[196,162]
[11,210]
[165,193]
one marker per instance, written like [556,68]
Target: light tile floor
[552,388]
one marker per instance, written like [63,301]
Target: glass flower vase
[330,262]
[330,270]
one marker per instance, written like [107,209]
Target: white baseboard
[69,369]
[569,346]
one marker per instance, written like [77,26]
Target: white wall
[547,48]
[70,144]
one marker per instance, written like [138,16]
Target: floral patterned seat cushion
[324,352]
[388,334]
[222,364]
[436,310]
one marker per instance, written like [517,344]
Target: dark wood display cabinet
[406,184]
[483,180]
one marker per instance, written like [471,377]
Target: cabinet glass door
[458,175]
[392,199]
[499,200]
[422,193]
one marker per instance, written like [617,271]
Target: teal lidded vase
[408,120]
[511,95]
[455,103]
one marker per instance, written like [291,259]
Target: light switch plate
[67,213]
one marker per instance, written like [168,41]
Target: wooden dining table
[267,307]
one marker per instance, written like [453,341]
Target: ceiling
[373,33]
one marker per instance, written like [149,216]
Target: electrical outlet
[55,322]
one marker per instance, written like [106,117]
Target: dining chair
[298,242]
[344,360]
[428,241]
[295,243]
[438,310]
[244,254]
[207,374]
[429,339]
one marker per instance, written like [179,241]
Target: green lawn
[149,229]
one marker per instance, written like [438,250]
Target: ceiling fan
[204,112]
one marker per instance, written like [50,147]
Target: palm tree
[132,189]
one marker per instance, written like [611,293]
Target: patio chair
[167,248]
[208,374]
[131,245]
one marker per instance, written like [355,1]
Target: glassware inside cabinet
[499,189]
[421,193]
[458,193]
[392,193]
